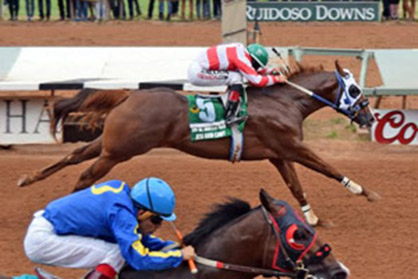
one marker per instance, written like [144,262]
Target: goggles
[155,219]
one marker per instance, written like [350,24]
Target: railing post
[234,21]
[297,53]
[365,56]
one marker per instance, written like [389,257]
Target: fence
[25,120]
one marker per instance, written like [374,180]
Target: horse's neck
[320,83]
[305,104]
[247,233]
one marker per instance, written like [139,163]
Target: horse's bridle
[353,109]
[299,271]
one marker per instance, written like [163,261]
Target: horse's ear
[339,69]
[299,67]
[266,199]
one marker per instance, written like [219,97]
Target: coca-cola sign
[395,126]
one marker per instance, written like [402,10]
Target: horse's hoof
[23,181]
[325,223]
[373,196]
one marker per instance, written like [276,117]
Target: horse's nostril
[339,275]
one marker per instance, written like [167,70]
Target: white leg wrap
[310,215]
[352,186]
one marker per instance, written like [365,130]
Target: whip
[192,264]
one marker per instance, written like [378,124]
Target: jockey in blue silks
[104,226]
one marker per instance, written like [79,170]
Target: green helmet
[259,54]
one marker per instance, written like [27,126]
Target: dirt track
[375,240]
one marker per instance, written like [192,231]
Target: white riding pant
[43,245]
[202,77]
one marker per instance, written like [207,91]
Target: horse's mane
[221,215]
[304,69]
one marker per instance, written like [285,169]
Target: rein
[353,109]
[299,270]
[242,268]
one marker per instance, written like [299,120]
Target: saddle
[207,121]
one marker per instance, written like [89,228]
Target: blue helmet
[155,195]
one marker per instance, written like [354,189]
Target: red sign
[395,126]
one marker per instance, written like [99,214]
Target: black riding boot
[231,111]
[233,104]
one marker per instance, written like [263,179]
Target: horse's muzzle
[339,274]
[365,119]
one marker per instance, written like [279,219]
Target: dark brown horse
[270,240]
[235,241]
[139,121]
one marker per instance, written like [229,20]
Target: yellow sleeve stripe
[107,188]
[143,251]
[154,237]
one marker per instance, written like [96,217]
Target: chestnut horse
[139,121]
[269,240]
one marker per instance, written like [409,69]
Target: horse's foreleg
[86,152]
[97,170]
[288,172]
[309,159]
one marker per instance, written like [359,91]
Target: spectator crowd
[98,10]
[84,10]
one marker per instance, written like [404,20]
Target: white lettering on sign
[336,14]
[318,12]
[24,121]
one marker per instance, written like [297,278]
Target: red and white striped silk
[234,57]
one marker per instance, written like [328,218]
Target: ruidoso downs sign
[313,11]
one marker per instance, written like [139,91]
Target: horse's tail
[95,103]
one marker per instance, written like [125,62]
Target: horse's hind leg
[288,172]
[97,170]
[86,152]
[306,157]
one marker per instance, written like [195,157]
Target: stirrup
[43,274]
[235,120]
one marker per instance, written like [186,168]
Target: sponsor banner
[313,11]
[24,121]
[395,126]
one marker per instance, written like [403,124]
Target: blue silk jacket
[106,211]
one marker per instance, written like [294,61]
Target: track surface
[375,240]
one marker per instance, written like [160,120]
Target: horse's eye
[354,91]
[300,234]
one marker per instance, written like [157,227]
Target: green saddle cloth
[26,276]
[206,117]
